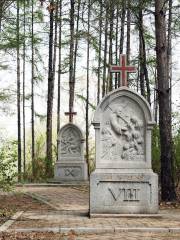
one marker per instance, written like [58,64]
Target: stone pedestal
[123,193]
[71,165]
[123,181]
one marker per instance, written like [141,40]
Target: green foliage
[40,160]
[38,14]
[156,149]
[8,159]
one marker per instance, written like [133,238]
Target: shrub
[8,166]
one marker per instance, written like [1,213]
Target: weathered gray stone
[71,165]
[123,181]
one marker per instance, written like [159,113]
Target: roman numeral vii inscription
[125,194]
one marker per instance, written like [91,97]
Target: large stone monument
[123,181]
[70,165]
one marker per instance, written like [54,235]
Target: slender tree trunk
[99,57]
[111,13]
[24,79]
[18,96]
[76,42]
[143,62]
[116,46]
[71,62]
[128,43]
[55,43]
[123,14]
[59,70]
[87,87]
[105,52]
[167,181]
[32,93]
[121,44]
[141,55]
[50,95]
[141,70]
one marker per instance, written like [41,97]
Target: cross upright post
[71,113]
[123,69]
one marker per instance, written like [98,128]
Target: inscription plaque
[129,194]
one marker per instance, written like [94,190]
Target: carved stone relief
[70,143]
[72,172]
[122,134]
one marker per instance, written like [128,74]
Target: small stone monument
[70,165]
[123,181]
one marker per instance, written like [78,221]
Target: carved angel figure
[108,142]
[134,139]
[119,122]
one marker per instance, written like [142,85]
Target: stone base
[123,192]
[72,171]
[135,215]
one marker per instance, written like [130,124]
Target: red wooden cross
[70,114]
[123,69]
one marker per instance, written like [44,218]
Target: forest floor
[62,213]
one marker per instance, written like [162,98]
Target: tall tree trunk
[71,62]
[87,87]
[167,181]
[141,55]
[99,54]
[18,95]
[24,79]
[128,42]
[50,95]
[123,14]
[32,93]
[116,45]
[169,51]
[121,44]
[55,41]
[111,15]
[105,52]
[141,71]
[76,42]
[59,70]
[143,61]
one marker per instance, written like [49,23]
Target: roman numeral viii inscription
[125,194]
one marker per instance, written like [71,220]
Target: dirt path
[66,217]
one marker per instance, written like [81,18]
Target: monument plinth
[123,181]
[71,165]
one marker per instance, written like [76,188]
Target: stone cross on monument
[71,113]
[123,69]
